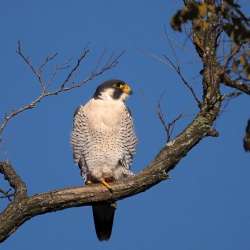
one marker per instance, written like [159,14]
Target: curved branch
[14,180]
[244,87]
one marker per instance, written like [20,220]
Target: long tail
[103,214]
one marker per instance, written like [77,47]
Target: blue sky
[206,203]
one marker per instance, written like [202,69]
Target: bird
[104,143]
[246,140]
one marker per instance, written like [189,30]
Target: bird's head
[113,90]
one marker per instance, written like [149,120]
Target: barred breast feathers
[89,126]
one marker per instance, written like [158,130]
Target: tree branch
[236,84]
[176,67]
[66,85]
[6,194]
[14,180]
[168,126]
[37,73]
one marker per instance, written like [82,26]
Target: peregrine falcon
[104,143]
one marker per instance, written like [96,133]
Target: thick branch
[14,180]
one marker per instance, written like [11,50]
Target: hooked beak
[127,89]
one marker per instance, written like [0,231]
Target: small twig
[172,47]
[185,82]
[46,61]
[66,85]
[36,72]
[162,120]
[168,127]
[75,68]
[99,60]
[213,133]
[233,53]
[236,84]
[167,61]
[6,194]
[231,95]
[14,113]
[58,68]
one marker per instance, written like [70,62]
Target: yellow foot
[105,184]
[88,182]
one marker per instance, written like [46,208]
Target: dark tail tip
[103,214]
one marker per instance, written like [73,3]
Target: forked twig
[167,61]
[64,86]
[6,194]
[177,69]
[168,126]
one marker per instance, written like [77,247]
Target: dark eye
[118,85]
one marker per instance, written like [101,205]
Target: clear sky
[206,203]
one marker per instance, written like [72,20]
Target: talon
[105,184]
[88,182]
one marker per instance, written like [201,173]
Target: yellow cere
[126,89]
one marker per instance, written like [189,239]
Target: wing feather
[127,133]
[79,139]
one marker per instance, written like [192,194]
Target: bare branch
[30,65]
[168,127]
[234,51]
[236,84]
[111,63]
[185,82]
[213,133]
[14,113]
[231,95]
[6,194]
[75,68]
[47,60]
[65,86]
[167,61]
[14,180]
[172,47]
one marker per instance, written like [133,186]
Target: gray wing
[79,139]
[129,139]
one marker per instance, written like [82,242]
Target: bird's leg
[105,184]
